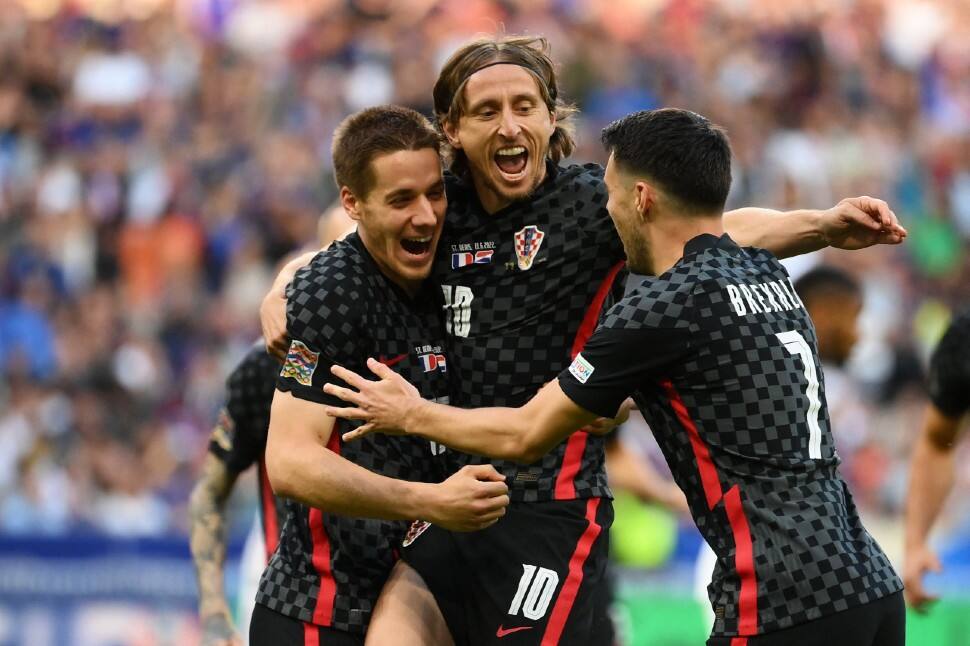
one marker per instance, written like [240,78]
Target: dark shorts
[879,623]
[538,576]
[270,628]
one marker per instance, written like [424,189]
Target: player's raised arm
[853,223]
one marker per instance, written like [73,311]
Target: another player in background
[932,472]
[529,260]
[365,296]
[719,355]
[238,441]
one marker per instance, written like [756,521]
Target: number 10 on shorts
[536,588]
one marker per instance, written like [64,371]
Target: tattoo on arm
[207,516]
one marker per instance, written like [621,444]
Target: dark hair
[682,151]
[529,53]
[372,132]
[826,280]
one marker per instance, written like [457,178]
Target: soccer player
[365,296]
[720,356]
[932,472]
[528,261]
[237,441]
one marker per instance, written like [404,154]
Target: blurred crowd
[158,158]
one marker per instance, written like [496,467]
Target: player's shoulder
[257,366]
[656,302]
[333,287]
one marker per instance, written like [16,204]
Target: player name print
[763,298]
[527,242]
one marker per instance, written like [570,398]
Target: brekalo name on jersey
[431,358]
[527,242]
[471,253]
[300,363]
[763,298]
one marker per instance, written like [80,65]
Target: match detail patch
[300,363]
[581,369]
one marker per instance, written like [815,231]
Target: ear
[450,129]
[350,203]
[645,198]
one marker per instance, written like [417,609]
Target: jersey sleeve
[238,438]
[323,322]
[949,374]
[640,338]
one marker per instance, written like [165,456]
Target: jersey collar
[706,241]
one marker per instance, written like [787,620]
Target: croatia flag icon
[465,258]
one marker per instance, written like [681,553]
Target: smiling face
[401,216]
[504,131]
[622,207]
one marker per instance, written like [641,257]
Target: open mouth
[416,246]
[512,160]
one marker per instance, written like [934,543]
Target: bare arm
[853,223]
[392,405]
[272,311]
[930,481]
[207,541]
[300,466]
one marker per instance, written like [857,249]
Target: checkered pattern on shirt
[745,394]
[249,397]
[949,374]
[524,323]
[341,306]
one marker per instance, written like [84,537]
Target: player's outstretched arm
[930,481]
[207,541]
[300,466]
[392,405]
[853,223]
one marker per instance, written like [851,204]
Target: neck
[667,238]
[410,286]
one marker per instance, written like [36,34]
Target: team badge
[300,363]
[417,528]
[581,369]
[527,243]
[465,258]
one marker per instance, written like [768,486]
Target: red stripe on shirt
[311,634]
[743,563]
[271,527]
[323,613]
[743,546]
[712,484]
[570,589]
[576,444]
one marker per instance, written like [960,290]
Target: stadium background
[158,157]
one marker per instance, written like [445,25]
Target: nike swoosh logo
[392,360]
[502,632]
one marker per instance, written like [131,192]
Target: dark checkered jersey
[722,359]
[949,378]
[524,288]
[239,436]
[341,309]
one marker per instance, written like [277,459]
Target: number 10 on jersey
[458,309]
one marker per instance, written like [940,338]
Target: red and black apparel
[328,570]
[722,359]
[524,289]
[238,439]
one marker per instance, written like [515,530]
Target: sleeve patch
[300,363]
[581,369]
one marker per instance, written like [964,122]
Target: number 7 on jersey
[796,344]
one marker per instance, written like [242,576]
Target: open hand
[860,222]
[382,405]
